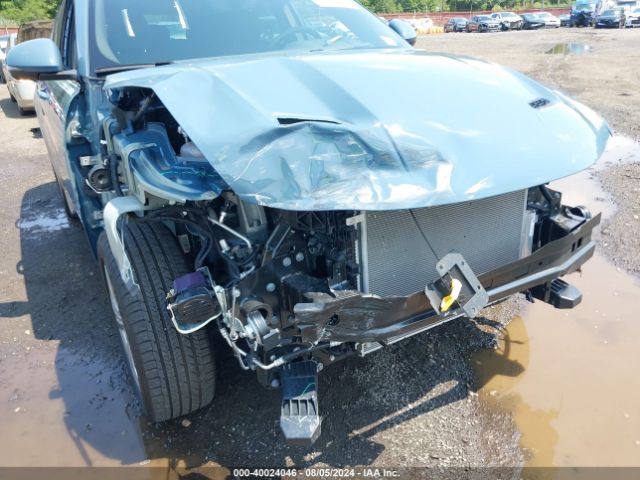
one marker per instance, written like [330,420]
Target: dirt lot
[63,382]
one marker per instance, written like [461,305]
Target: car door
[54,97]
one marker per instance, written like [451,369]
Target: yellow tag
[456,287]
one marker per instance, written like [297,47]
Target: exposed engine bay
[317,286]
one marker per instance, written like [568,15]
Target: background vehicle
[627,5]
[508,20]
[633,18]
[482,23]
[458,24]
[294,223]
[565,20]
[22,90]
[612,18]
[6,42]
[582,13]
[420,24]
[550,21]
[532,21]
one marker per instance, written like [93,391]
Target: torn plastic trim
[112,212]
[356,317]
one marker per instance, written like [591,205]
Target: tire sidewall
[108,266]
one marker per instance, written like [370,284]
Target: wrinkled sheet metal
[373,130]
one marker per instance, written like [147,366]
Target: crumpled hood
[374,130]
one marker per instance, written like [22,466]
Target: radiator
[396,260]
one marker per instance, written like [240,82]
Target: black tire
[173,374]
[13,99]
[23,112]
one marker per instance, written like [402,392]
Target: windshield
[544,14]
[159,31]
[610,13]
[584,6]
[484,17]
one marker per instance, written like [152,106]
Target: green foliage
[21,11]
[386,6]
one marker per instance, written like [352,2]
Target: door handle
[43,94]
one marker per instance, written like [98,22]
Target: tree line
[20,11]
[417,6]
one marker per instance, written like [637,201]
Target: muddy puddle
[570,49]
[569,378]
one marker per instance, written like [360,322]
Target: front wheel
[173,374]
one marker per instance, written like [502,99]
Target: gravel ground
[63,381]
[621,234]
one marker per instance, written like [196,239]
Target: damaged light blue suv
[294,177]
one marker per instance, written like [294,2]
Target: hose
[232,232]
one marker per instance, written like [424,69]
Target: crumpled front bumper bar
[356,317]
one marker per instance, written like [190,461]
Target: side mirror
[31,59]
[405,30]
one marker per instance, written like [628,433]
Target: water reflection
[498,373]
[570,49]
[569,377]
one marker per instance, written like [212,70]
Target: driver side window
[68,41]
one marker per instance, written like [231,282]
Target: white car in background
[5,41]
[420,23]
[633,18]
[550,21]
[508,20]
[21,91]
